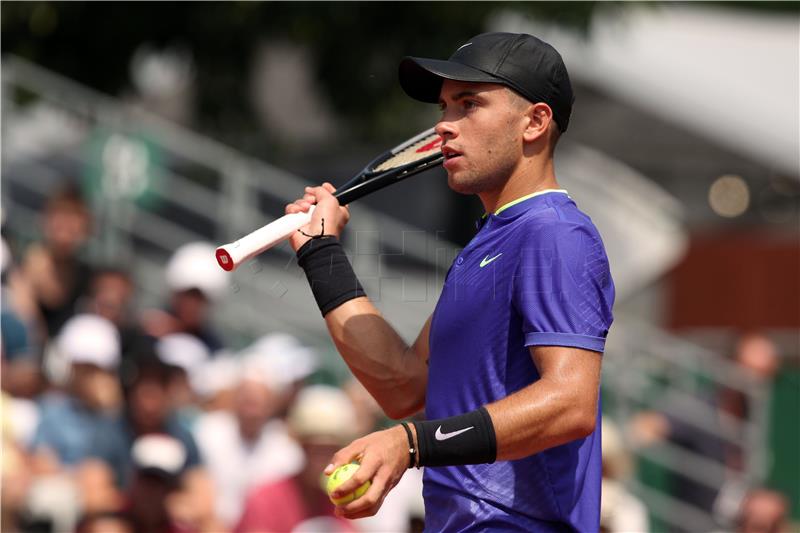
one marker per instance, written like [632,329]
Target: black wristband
[329,273]
[466,439]
[412,451]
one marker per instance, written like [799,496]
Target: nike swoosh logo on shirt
[462,46]
[444,436]
[486,259]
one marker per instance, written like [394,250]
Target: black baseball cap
[520,61]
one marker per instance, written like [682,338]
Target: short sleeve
[563,289]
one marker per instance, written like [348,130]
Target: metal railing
[230,206]
[648,369]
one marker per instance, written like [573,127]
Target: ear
[539,118]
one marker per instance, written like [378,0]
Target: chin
[463,186]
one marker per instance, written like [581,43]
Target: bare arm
[558,408]
[393,372]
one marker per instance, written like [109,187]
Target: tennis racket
[419,153]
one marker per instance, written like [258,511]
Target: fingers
[383,460]
[301,205]
[350,453]
[364,473]
[311,196]
[370,502]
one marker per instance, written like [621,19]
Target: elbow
[586,425]
[400,412]
[406,409]
[584,422]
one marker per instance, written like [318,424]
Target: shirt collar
[517,206]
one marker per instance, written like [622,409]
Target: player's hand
[328,209]
[383,456]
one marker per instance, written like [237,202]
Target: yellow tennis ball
[339,476]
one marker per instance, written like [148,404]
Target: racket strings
[425,147]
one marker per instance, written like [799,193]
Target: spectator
[322,419]
[148,411]
[21,374]
[19,338]
[195,283]
[53,268]
[184,355]
[70,423]
[763,511]
[191,507]
[110,295]
[249,446]
[215,382]
[283,355]
[94,480]
[158,463]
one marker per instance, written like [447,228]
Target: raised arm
[395,373]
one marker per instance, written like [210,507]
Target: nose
[446,130]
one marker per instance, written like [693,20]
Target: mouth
[451,155]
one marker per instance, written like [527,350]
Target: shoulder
[55,405]
[561,217]
[174,428]
[570,237]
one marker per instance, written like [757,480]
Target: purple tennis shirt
[536,274]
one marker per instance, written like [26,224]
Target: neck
[532,176]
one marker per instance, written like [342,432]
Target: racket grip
[231,255]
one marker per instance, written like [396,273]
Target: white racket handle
[231,255]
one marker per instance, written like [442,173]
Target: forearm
[391,370]
[541,416]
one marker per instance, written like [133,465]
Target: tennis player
[507,368]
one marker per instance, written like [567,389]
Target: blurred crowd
[117,419]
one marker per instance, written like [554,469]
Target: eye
[470,104]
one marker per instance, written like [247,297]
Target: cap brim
[422,78]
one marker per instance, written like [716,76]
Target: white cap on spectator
[159,452]
[89,339]
[282,357]
[182,350]
[324,412]
[194,266]
[215,375]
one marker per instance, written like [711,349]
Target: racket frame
[231,255]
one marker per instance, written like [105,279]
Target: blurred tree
[356,47]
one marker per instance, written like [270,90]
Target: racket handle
[231,255]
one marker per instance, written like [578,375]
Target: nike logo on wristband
[444,436]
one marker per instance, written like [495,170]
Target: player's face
[482,130]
